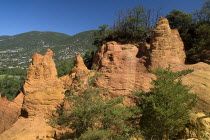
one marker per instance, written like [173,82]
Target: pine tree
[166,107]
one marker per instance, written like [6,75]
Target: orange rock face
[41,73]
[34,128]
[166,46]
[78,75]
[42,88]
[122,68]
[199,79]
[9,112]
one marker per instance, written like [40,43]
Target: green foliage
[64,67]
[92,114]
[95,117]
[197,42]
[95,135]
[204,13]
[166,108]
[180,20]
[31,39]
[131,26]
[102,35]
[194,31]
[88,58]
[198,36]
[14,71]
[18,49]
[10,86]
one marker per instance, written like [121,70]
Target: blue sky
[74,16]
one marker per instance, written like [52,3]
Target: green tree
[64,66]
[200,43]
[10,86]
[102,35]
[13,71]
[166,107]
[204,13]
[194,31]
[95,117]
[131,26]
[180,20]
[88,58]
[91,112]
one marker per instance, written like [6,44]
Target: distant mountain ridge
[16,51]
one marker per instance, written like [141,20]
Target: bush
[131,26]
[95,117]
[64,66]
[10,86]
[166,108]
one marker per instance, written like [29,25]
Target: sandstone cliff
[166,46]
[43,93]
[199,79]
[9,112]
[42,88]
[41,73]
[122,67]
[78,74]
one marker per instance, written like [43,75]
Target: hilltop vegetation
[16,51]
[134,25]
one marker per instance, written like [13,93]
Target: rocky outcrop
[199,79]
[166,46]
[9,112]
[122,69]
[43,93]
[43,89]
[78,76]
[33,128]
[41,73]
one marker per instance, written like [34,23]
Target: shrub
[166,108]
[10,86]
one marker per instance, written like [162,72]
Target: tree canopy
[166,107]
[10,86]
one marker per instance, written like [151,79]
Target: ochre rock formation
[43,89]
[78,76]
[122,69]
[33,128]
[166,46]
[41,73]
[44,92]
[199,79]
[9,111]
